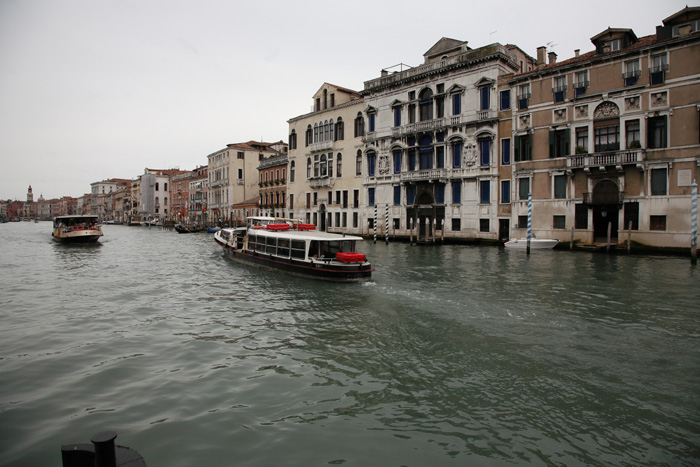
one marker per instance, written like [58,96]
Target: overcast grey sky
[91,89]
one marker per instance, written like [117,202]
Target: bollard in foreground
[101,453]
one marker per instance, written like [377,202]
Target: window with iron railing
[559,88]
[581,83]
[658,69]
[523,96]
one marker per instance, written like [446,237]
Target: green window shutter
[567,136]
[517,148]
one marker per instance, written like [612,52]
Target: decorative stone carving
[560,115]
[525,121]
[606,110]
[581,111]
[469,157]
[659,99]
[632,103]
[384,164]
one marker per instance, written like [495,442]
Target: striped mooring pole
[375,223]
[386,224]
[694,224]
[529,220]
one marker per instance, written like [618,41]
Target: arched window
[330,164]
[326,131]
[371,163]
[358,163]
[426,104]
[293,140]
[359,125]
[308,168]
[156,186]
[339,165]
[309,135]
[165,187]
[315,133]
[291,171]
[331,126]
[324,166]
[457,154]
[339,130]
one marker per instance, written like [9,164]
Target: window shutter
[551,143]
[529,150]
[517,148]
[567,138]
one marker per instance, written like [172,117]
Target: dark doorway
[604,214]
[322,217]
[504,230]
[606,210]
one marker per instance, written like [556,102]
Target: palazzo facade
[431,152]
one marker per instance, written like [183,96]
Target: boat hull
[357,272]
[535,243]
[77,237]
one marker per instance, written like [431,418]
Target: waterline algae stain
[451,355]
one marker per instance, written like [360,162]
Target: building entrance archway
[606,210]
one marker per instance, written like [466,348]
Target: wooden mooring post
[694,224]
[571,244]
[629,238]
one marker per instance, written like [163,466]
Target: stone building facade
[431,143]
[608,141]
[325,183]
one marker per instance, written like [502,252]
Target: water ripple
[451,355]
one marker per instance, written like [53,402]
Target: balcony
[424,175]
[222,182]
[321,146]
[591,199]
[630,77]
[604,159]
[486,114]
[428,125]
[321,182]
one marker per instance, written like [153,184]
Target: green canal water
[451,355]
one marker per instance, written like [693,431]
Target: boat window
[314,249]
[283,247]
[271,245]
[253,243]
[298,249]
[347,246]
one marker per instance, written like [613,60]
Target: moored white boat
[296,248]
[535,243]
[76,229]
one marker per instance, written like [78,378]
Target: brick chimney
[541,54]
[552,57]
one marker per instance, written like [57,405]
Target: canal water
[451,355]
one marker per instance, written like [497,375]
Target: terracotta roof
[340,88]
[248,202]
[641,43]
